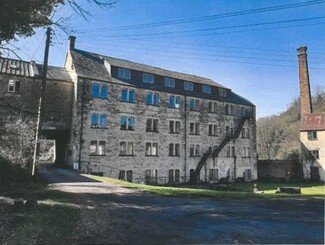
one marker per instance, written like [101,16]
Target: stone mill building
[146,124]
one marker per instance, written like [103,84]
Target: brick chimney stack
[305,97]
[72,41]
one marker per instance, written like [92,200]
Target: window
[248,174]
[152,125]
[246,152]
[232,110]
[103,121]
[206,89]
[243,133]
[213,174]
[99,91]
[194,105]
[169,82]
[95,88]
[233,151]
[148,78]
[103,91]
[194,150]
[188,86]
[174,101]
[174,127]
[242,111]
[222,92]
[213,107]
[315,153]
[152,99]
[232,132]
[170,175]
[129,175]
[194,128]
[312,135]
[127,123]
[151,149]
[213,130]
[98,121]
[124,73]
[174,149]
[14,86]
[94,120]
[177,176]
[248,136]
[127,95]
[126,148]
[121,175]
[97,147]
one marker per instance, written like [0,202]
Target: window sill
[195,156]
[174,156]
[194,134]
[313,139]
[100,98]
[173,108]
[127,129]
[152,105]
[174,132]
[95,127]
[129,102]
[245,157]
[211,135]
[151,155]
[149,131]
[9,92]
[97,155]
[126,155]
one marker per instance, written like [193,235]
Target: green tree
[20,18]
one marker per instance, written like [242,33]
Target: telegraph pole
[40,114]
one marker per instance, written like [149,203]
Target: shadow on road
[52,175]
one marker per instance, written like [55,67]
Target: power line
[215,28]
[212,60]
[210,17]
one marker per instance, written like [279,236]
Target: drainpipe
[185,140]
[81,121]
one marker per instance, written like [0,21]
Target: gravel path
[112,214]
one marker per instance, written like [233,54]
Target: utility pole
[40,114]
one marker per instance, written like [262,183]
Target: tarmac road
[112,214]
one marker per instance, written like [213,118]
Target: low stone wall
[279,170]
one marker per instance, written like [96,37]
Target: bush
[12,173]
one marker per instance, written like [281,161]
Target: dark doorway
[314,174]
[61,138]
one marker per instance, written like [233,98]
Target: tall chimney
[305,97]
[72,41]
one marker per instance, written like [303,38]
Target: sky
[248,46]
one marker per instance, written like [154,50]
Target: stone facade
[154,151]
[21,101]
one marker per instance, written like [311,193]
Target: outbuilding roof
[31,69]
[312,122]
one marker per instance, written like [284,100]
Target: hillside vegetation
[278,135]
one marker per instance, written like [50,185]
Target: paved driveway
[113,214]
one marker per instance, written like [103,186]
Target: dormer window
[222,92]
[148,78]
[206,89]
[124,73]
[14,86]
[169,82]
[188,86]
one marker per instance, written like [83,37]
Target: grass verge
[235,190]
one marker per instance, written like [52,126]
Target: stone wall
[111,163]
[281,170]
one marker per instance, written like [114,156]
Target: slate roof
[31,69]
[312,122]
[92,66]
